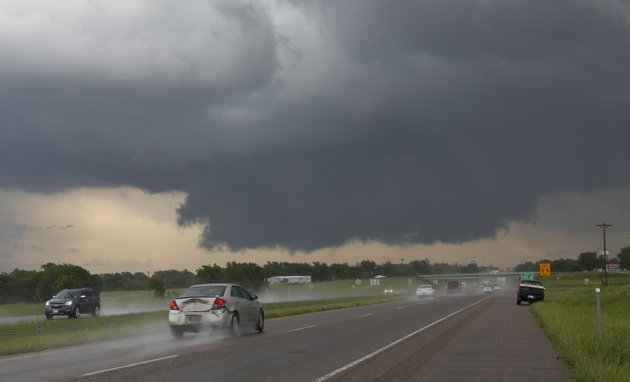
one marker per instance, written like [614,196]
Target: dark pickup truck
[531,291]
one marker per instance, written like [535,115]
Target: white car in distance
[425,291]
[486,288]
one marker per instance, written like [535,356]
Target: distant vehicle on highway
[388,291]
[425,291]
[496,287]
[453,286]
[215,307]
[486,288]
[73,302]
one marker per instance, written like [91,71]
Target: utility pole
[604,254]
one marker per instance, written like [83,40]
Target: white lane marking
[364,358]
[365,315]
[306,327]
[130,365]
[401,308]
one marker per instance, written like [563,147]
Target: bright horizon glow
[126,229]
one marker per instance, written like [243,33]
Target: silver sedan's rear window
[204,291]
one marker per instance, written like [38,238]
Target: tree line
[38,286]
[586,261]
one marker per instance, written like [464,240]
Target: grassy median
[568,317]
[34,336]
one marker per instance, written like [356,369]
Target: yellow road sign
[545,269]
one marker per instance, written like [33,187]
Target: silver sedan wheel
[234,327]
[260,323]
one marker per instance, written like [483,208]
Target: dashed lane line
[378,351]
[303,328]
[130,365]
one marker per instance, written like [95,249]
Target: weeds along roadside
[568,317]
[36,336]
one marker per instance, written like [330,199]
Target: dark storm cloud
[401,122]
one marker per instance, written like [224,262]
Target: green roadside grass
[568,317]
[36,336]
[21,309]
[282,309]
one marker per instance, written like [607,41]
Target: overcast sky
[147,135]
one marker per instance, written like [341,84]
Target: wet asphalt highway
[450,338]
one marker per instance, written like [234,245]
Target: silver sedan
[216,307]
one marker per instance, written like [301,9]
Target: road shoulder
[502,343]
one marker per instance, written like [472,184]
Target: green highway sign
[527,276]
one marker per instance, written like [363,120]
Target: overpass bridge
[492,277]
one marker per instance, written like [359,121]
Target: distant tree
[444,268]
[209,274]
[566,265]
[156,284]
[368,269]
[124,281]
[421,267]
[470,268]
[272,268]
[66,282]
[19,286]
[614,259]
[342,271]
[389,269]
[175,279]
[624,258]
[65,275]
[250,275]
[320,272]
[526,267]
[3,281]
[588,260]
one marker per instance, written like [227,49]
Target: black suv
[73,302]
[453,286]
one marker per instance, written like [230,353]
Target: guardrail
[469,276]
[618,279]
